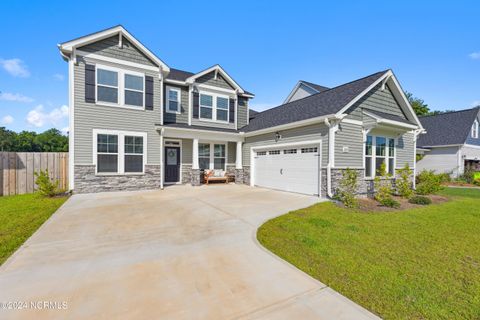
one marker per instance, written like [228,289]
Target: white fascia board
[287,99]
[178,82]
[217,68]
[291,125]
[82,41]
[444,146]
[471,146]
[187,133]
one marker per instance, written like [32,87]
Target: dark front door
[172,164]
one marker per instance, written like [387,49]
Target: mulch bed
[369,204]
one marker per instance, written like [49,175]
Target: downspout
[332,128]
[161,157]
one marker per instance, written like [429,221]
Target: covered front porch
[186,153]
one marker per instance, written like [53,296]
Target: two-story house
[452,142]
[137,123]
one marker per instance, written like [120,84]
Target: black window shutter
[196,104]
[232,111]
[90,83]
[148,93]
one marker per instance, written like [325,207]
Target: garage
[293,168]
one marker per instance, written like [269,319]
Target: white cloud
[7,120]
[7,96]
[65,130]
[475,55]
[263,106]
[58,76]
[15,67]
[475,104]
[38,117]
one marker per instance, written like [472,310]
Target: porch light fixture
[278,136]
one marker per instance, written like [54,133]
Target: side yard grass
[422,263]
[20,217]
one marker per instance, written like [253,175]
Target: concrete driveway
[181,253]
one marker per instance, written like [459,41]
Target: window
[117,87]
[274,152]
[173,100]
[214,107]
[119,152]
[222,109]
[368,156]
[133,154]
[204,155]
[261,153]
[309,150]
[107,86]
[107,153]
[212,156]
[206,106]
[134,90]
[290,151]
[379,150]
[475,129]
[219,156]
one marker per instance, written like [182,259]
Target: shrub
[383,188]
[420,200]
[476,178]
[467,176]
[428,182]
[46,187]
[348,186]
[390,202]
[404,186]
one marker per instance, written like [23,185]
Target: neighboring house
[136,123]
[304,89]
[452,142]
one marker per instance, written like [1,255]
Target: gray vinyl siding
[187,151]
[376,100]
[312,132]
[232,152]
[405,148]
[213,124]
[109,48]
[302,92]
[174,117]
[441,160]
[209,79]
[349,135]
[242,112]
[89,116]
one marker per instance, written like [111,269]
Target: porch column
[195,167]
[239,175]
[238,162]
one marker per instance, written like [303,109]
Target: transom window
[119,152]
[118,87]
[290,151]
[274,152]
[379,150]
[214,107]
[212,156]
[475,129]
[261,153]
[173,100]
[309,150]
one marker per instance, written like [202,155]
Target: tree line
[420,107]
[51,140]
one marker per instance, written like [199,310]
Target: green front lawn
[20,217]
[420,263]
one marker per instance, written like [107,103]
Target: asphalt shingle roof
[447,128]
[179,75]
[186,126]
[252,114]
[323,103]
[315,86]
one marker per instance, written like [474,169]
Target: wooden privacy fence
[17,170]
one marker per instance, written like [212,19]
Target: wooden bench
[208,176]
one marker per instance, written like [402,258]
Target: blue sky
[266,46]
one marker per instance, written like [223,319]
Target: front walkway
[181,253]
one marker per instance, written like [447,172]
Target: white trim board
[216,68]
[115,61]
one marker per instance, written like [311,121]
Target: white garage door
[294,169]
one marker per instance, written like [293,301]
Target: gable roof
[179,75]
[447,128]
[252,114]
[69,46]
[328,102]
[315,86]
[217,68]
